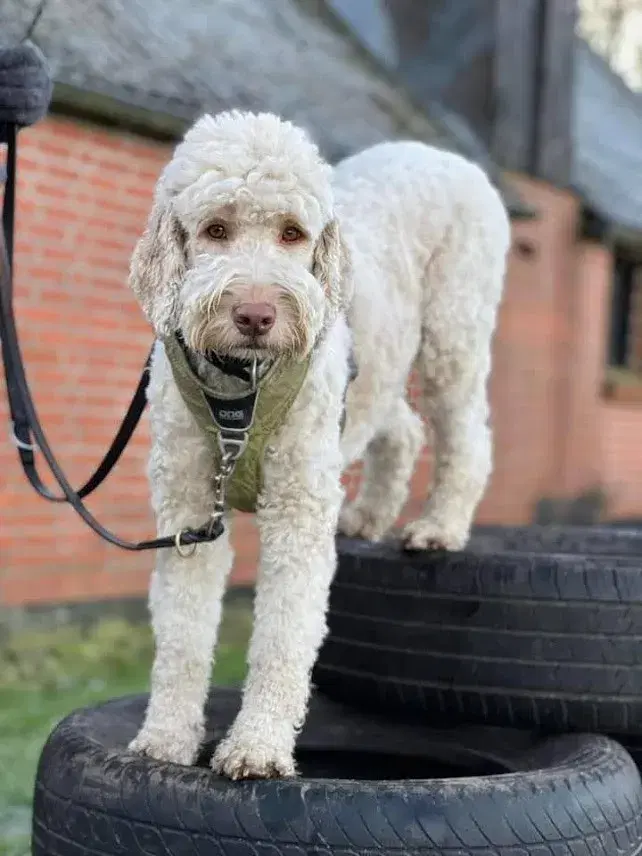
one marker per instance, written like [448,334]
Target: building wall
[622,457]
[83,197]
[528,378]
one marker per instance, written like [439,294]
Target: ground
[43,676]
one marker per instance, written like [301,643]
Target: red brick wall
[581,465]
[622,458]
[531,338]
[83,194]
[83,197]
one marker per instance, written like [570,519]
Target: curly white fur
[402,255]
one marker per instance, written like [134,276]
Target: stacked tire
[483,703]
[529,628]
[532,627]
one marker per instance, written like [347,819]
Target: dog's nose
[254,319]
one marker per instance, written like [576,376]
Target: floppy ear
[332,267]
[157,268]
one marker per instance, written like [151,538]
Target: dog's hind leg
[388,463]
[462,291]
[463,462]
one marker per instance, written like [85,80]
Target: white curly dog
[257,249]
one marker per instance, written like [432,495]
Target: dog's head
[242,253]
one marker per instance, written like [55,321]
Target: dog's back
[398,202]
[404,207]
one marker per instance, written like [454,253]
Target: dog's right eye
[217,231]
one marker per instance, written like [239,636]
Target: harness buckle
[232,447]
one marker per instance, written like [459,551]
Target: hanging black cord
[24,418]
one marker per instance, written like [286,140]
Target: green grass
[44,676]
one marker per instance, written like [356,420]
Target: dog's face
[242,253]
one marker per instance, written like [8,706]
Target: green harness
[239,426]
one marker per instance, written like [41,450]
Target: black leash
[27,432]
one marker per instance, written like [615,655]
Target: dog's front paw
[427,535]
[162,745]
[358,522]
[251,759]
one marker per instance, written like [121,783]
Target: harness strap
[242,369]
[24,417]
[225,419]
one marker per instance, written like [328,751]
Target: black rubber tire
[633,746]
[593,540]
[575,795]
[635,751]
[530,640]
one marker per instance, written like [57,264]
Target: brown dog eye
[217,231]
[291,234]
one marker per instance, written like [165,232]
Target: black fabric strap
[26,425]
[241,369]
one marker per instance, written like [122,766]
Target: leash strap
[24,418]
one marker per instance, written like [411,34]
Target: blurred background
[545,94]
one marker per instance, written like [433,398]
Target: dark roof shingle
[607,137]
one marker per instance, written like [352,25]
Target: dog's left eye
[217,231]
[291,234]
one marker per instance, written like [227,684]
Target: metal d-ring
[187,551]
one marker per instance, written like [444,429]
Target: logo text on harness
[233,415]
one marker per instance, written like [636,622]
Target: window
[625,346]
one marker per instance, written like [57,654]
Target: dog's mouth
[254,343]
[246,351]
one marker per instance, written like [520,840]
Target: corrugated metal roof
[607,115]
[607,132]
[288,56]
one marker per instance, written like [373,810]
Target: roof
[607,131]
[163,62]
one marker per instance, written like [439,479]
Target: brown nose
[254,319]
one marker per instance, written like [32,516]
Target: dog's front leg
[185,603]
[297,524]
[186,593]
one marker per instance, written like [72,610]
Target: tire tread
[519,639]
[574,795]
